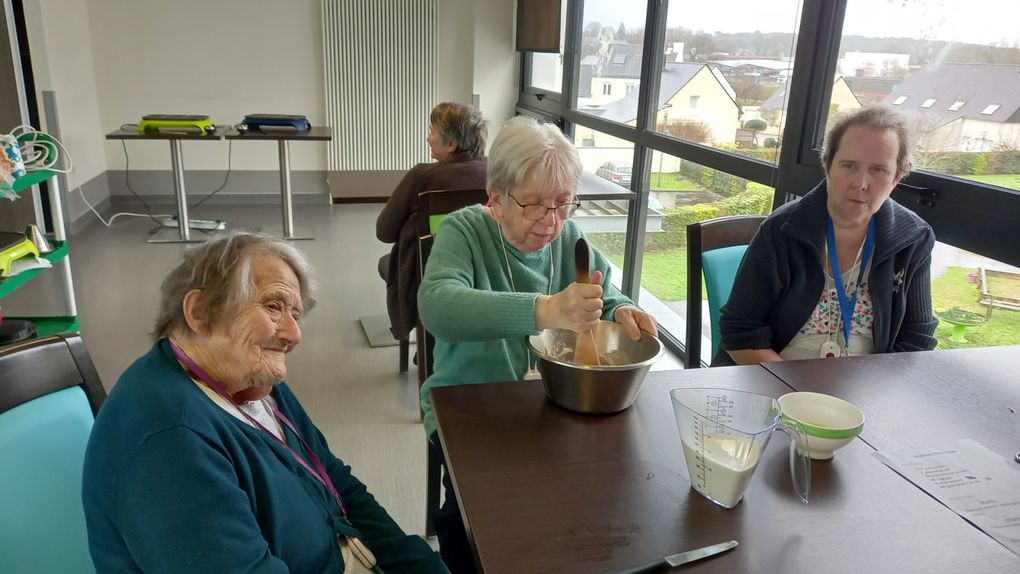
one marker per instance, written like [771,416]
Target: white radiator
[380,70]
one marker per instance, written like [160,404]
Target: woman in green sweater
[500,273]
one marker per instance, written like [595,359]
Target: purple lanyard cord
[319,471]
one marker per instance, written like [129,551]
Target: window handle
[927,195]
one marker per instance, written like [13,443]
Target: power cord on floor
[81,191]
[127,181]
[226,177]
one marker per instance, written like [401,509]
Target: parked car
[616,172]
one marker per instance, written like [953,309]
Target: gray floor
[366,409]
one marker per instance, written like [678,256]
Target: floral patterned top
[825,322]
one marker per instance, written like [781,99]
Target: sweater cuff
[760,338]
[515,314]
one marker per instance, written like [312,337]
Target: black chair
[715,247]
[49,395]
[432,207]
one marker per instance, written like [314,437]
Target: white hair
[525,144]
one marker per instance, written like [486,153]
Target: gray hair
[221,268]
[525,144]
[873,117]
[461,124]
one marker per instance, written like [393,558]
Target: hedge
[756,200]
[970,163]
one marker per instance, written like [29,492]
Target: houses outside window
[710,65]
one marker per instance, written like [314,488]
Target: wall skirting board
[108,191]
[363,186]
[260,185]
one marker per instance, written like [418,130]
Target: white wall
[495,61]
[455,69]
[62,61]
[113,61]
[225,58]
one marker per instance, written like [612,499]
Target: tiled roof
[675,76]
[978,86]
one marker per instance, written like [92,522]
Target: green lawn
[1007,180]
[664,274]
[953,290]
[672,182]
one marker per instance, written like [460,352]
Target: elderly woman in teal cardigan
[502,272]
[203,460]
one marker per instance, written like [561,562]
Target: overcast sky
[972,21]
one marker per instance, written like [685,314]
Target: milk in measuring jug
[728,465]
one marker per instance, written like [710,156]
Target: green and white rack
[58,257]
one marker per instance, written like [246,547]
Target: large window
[683,192]
[702,108]
[952,67]
[544,71]
[609,160]
[609,72]
[725,72]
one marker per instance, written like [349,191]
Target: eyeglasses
[537,211]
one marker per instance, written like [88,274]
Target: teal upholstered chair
[715,247]
[49,394]
[433,206]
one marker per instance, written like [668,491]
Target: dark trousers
[454,547]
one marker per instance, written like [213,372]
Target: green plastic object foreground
[9,284]
[31,178]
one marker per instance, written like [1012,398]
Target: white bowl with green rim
[830,423]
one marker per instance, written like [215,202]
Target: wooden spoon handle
[585,348]
[581,263]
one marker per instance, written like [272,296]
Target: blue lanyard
[846,307]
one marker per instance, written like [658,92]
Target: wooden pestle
[586,351]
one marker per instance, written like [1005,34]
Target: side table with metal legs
[183,224]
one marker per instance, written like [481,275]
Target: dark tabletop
[133,134]
[312,134]
[546,490]
[915,399]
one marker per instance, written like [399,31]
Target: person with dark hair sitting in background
[456,139]
[844,270]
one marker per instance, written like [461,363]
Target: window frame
[967,214]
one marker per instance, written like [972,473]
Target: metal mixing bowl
[609,388]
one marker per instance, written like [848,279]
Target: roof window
[990,109]
[899,100]
[956,106]
[928,103]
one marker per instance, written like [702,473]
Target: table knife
[675,560]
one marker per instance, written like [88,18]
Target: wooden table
[283,139]
[916,399]
[177,166]
[545,490]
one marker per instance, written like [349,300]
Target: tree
[621,32]
[755,126]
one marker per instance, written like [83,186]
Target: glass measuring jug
[724,432]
